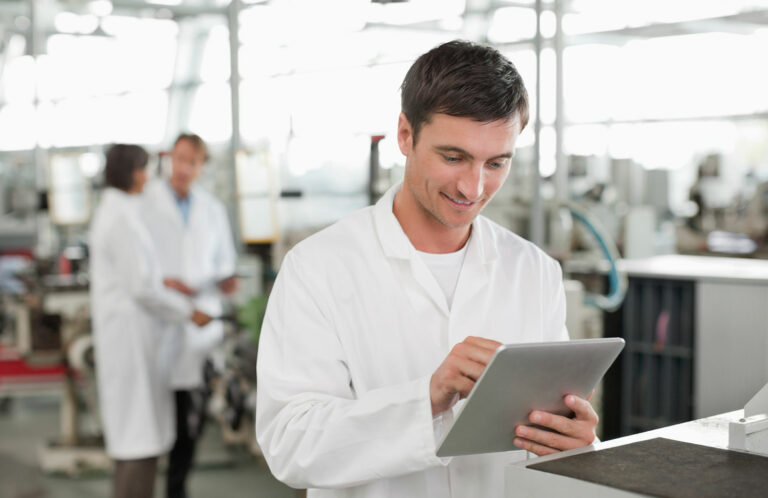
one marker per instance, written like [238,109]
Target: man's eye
[451,159]
[497,164]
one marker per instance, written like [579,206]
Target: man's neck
[180,192]
[426,233]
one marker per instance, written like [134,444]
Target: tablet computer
[521,378]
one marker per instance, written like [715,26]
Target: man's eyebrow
[506,155]
[459,150]
[451,148]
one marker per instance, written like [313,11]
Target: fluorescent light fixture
[100,8]
[415,11]
[88,24]
[15,47]
[17,126]
[548,24]
[68,22]
[601,15]
[144,28]
[452,23]
[510,24]
[164,2]
[292,22]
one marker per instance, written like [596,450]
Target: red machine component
[16,372]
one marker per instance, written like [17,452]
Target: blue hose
[617,281]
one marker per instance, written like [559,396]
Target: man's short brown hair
[463,79]
[197,142]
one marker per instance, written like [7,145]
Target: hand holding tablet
[521,381]
[558,433]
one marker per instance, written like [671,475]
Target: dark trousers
[190,418]
[134,478]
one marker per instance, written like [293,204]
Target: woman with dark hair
[130,307]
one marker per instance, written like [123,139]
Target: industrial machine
[46,350]
[750,433]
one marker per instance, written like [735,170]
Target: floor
[25,423]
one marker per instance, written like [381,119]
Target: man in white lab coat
[379,324]
[191,232]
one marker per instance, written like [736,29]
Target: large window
[107,85]
[657,82]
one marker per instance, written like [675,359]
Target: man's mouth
[459,204]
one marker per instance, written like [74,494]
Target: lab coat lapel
[194,210]
[396,245]
[476,271]
[427,281]
[168,204]
[195,236]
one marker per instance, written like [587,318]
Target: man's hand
[573,432]
[229,285]
[456,376]
[179,286]
[200,319]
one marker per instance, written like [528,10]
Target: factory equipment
[729,214]
[19,202]
[750,433]
[233,394]
[695,332]
[617,279]
[46,350]
[233,381]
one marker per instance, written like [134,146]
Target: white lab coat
[200,254]
[355,327]
[133,352]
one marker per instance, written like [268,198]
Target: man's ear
[404,135]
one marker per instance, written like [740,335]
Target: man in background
[191,232]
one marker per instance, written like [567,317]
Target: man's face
[188,163]
[456,165]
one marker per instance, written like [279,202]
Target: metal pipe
[537,214]
[39,156]
[561,168]
[233,19]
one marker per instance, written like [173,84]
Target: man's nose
[471,182]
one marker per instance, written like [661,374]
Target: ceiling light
[100,8]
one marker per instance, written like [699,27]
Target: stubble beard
[434,212]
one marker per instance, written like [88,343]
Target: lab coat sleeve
[142,279]
[557,316]
[314,429]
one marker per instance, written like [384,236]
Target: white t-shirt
[446,268]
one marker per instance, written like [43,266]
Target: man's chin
[458,223]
